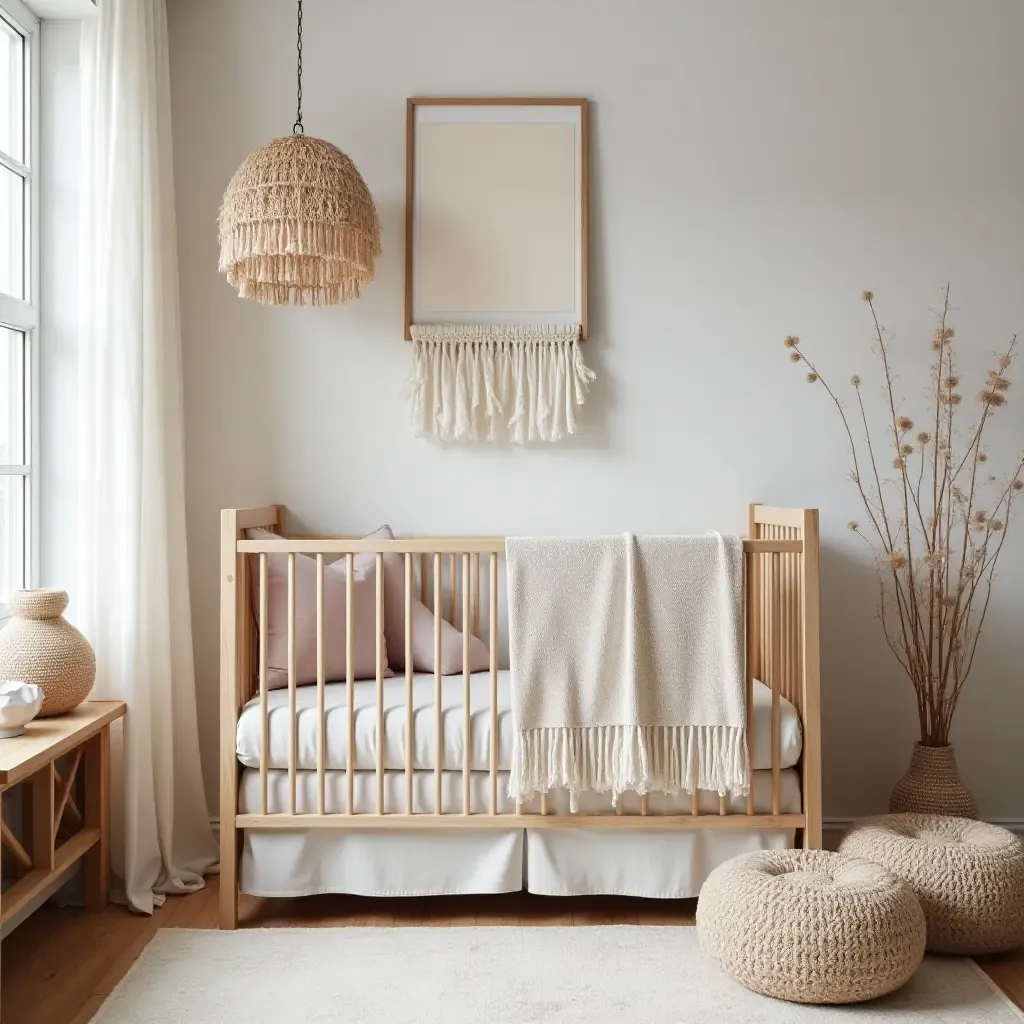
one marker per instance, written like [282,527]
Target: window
[18,298]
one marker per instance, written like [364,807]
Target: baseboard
[836,825]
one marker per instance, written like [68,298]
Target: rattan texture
[298,225]
[810,926]
[968,876]
[932,785]
[40,646]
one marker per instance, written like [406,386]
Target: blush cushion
[364,621]
[422,621]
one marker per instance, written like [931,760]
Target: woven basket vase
[39,646]
[932,785]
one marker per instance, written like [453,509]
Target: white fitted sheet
[659,864]
[452,717]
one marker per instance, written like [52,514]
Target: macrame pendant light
[297,224]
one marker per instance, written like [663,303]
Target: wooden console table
[56,832]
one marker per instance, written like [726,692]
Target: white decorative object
[39,645]
[19,704]
[480,382]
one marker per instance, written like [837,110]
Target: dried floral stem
[937,544]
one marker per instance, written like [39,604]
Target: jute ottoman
[968,875]
[810,926]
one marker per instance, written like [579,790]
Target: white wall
[755,165]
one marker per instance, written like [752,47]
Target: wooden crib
[781,598]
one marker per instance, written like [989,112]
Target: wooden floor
[61,964]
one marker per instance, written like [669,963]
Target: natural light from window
[17,300]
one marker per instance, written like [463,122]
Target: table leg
[37,793]
[97,816]
[1,885]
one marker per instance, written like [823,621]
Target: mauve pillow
[364,619]
[422,621]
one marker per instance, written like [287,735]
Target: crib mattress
[424,792]
[453,722]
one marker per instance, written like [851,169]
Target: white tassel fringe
[630,758]
[481,382]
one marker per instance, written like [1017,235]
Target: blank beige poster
[496,219]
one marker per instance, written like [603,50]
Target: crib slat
[476,593]
[451,587]
[264,723]
[410,720]
[695,803]
[492,637]
[379,633]
[423,579]
[438,720]
[798,630]
[723,805]
[794,618]
[350,686]
[748,598]
[321,715]
[543,803]
[776,680]
[643,805]
[754,654]
[292,725]
[782,597]
[467,722]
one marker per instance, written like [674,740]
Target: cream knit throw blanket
[482,382]
[626,657]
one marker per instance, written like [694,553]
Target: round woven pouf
[968,875]
[811,926]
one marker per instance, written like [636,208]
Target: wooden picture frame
[464,202]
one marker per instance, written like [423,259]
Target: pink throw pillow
[364,619]
[422,621]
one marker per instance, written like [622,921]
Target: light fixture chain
[297,128]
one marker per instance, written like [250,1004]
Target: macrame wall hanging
[496,267]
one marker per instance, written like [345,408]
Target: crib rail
[459,578]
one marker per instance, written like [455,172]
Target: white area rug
[493,975]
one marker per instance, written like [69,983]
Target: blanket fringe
[670,759]
[481,382]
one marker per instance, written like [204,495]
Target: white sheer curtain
[133,600]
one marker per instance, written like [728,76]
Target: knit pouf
[811,926]
[968,875]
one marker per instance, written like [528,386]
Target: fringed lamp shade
[298,225]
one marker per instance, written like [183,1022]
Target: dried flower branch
[936,526]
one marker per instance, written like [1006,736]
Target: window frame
[23,314]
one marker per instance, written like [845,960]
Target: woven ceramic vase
[39,646]
[932,785]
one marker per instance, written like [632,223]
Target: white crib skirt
[423,862]
[554,862]
[654,864]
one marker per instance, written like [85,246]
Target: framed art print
[496,266]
